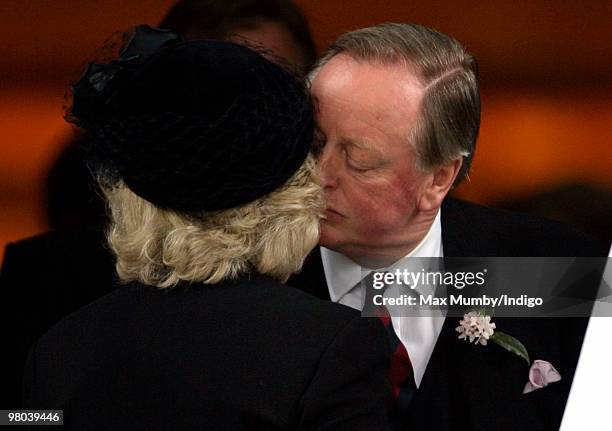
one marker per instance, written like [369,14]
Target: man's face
[371,186]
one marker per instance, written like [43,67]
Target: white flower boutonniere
[477,328]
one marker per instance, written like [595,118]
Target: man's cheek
[375,219]
[383,203]
[401,198]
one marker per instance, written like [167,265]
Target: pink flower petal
[541,374]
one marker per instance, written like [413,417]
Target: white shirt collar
[342,274]
[418,334]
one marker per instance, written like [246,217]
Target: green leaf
[511,344]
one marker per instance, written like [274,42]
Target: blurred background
[544,147]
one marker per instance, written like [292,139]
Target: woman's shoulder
[260,298]
[255,298]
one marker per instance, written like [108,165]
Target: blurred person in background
[202,150]
[74,265]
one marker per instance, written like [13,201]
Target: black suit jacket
[42,280]
[244,354]
[471,387]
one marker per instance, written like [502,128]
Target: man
[398,113]
[278,26]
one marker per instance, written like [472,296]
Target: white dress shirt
[418,334]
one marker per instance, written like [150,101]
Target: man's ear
[442,179]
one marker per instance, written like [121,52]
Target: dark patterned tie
[401,374]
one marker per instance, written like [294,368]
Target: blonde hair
[271,235]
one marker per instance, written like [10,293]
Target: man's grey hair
[450,111]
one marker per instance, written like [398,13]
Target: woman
[202,151]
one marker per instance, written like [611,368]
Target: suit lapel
[455,385]
[480,387]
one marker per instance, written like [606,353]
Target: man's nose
[328,168]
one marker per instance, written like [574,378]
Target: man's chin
[330,237]
[325,239]
[333,239]
[361,253]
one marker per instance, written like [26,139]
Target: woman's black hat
[193,126]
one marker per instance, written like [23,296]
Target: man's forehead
[344,69]
[371,91]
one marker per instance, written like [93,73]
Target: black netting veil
[195,126]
